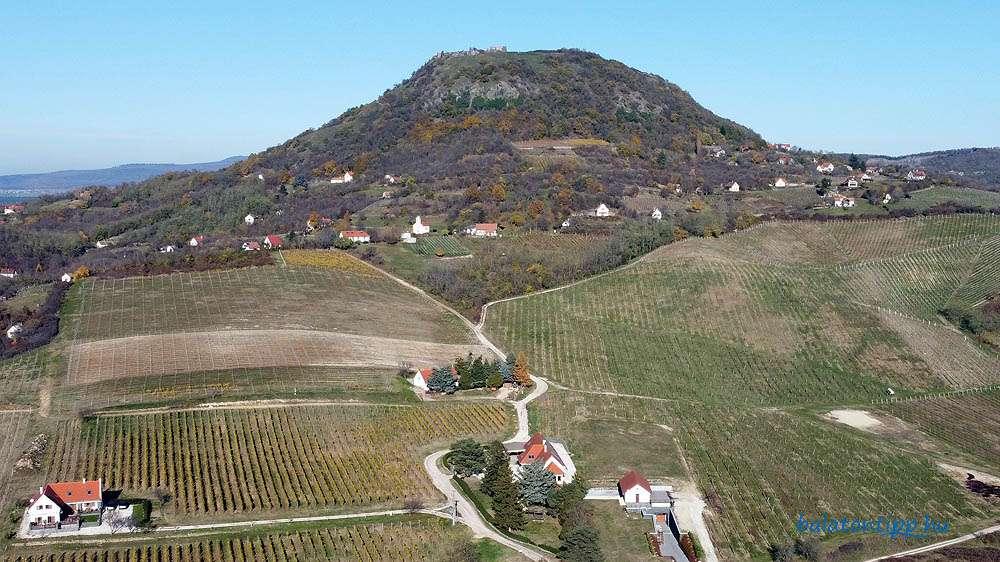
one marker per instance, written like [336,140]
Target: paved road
[468,512]
[941,544]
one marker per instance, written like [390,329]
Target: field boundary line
[942,544]
[943,394]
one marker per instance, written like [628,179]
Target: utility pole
[454,511]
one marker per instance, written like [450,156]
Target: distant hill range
[65,180]
[976,166]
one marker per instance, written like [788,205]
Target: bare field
[166,354]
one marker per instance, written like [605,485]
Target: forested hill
[972,166]
[524,138]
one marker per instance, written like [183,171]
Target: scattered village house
[167,249]
[8,272]
[653,502]
[916,175]
[419,227]
[251,245]
[358,236]
[717,153]
[553,455]
[271,242]
[102,244]
[656,215]
[780,182]
[348,177]
[386,195]
[66,278]
[602,211]
[825,168]
[196,241]
[391,179]
[841,201]
[407,238]
[851,182]
[783,160]
[64,501]
[249,219]
[733,187]
[11,209]
[886,199]
[421,376]
[488,229]
[15,331]
[565,223]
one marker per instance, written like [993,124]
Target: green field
[449,246]
[942,194]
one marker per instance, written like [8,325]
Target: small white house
[487,229]
[249,219]
[260,178]
[15,331]
[886,199]
[633,488]
[8,273]
[602,211]
[718,153]
[851,183]
[357,236]
[656,215]
[167,249]
[565,223]
[66,278]
[419,227]
[825,168]
[102,244]
[348,177]
[916,175]
[780,182]
[386,195]
[733,187]
[841,201]
[251,246]
[196,241]
[407,238]
[272,242]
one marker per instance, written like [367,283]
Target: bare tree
[116,521]
[413,504]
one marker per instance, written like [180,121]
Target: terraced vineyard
[237,460]
[784,464]
[449,246]
[333,327]
[969,423]
[397,540]
[779,314]
[19,378]
[13,428]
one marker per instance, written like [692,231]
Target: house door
[637,498]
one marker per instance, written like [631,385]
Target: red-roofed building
[196,241]
[916,175]
[488,229]
[271,242]
[8,272]
[58,501]
[359,236]
[553,455]
[251,246]
[780,182]
[633,488]
[10,209]
[421,377]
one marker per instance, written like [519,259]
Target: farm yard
[411,538]
[227,462]
[682,325]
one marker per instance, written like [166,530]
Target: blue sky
[93,84]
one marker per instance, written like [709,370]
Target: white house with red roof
[780,182]
[196,241]
[825,168]
[421,377]
[633,488]
[58,501]
[420,227]
[8,272]
[841,201]
[272,242]
[783,160]
[348,177]
[553,455]
[488,229]
[11,209]
[251,246]
[358,236]
[916,175]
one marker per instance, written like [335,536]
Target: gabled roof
[633,479]
[273,240]
[7,270]
[486,226]
[353,233]
[252,244]
[198,239]
[70,492]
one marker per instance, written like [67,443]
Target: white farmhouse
[825,168]
[66,278]
[602,211]
[780,182]
[249,219]
[553,455]
[348,177]
[487,229]
[419,227]
[407,238]
[167,249]
[733,187]
[633,488]
[15,331]
[196,241]
[656,215]
[356,236]
[260,178]
[916,175]
[102,244]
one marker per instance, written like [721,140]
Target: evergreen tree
[508,511]
[468,457]
[521,370]
[581,545]
[511,359]
[497,459]
[536,483]
[495,379]
[463,372]
[442,380]
[479,372]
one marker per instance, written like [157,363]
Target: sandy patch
[858,419]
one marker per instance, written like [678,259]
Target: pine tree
[497,459]
[508,511]
[468,457]
[495,379]
[479,371]
[536,483]
[521,370]
[442,380]
[464,373]
[581,545]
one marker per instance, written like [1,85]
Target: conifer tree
[521,370]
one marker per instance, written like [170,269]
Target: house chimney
[40,490]
[85,480]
